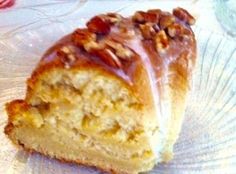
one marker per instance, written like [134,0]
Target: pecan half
[83,36]
[177,30]
[142,17]
[125,29]
[156,27]
[147,30]
[113,18]
[109,57]
[184,15]
[98,25]
[66,55]
[166,20]
[68,49]
[120,50]
[155,11]
[89,46]
[161,41]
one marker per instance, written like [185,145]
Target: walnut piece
[184,15]
[161,41]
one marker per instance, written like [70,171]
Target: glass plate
[207,143]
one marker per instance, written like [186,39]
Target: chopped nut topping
[184,15]
[109,57]
[121,51]
[156,27]
[154,24]
[85,39]
[177,30]
[155,11]
[142,17]
[89,46]
[166,20]
[83,36]
[161,41]
[124,53]
[67,55]
[147,30]
[139,17]
[98,25]
[126,30]
[71,57]
[113,17]
[66,50]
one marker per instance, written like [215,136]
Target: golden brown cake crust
[13,108]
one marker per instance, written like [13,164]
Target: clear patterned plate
[207,143]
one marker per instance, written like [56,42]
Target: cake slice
[111,95]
